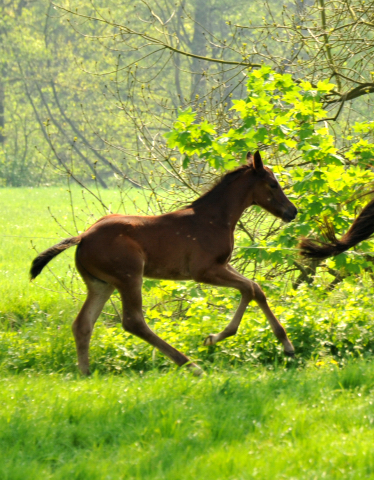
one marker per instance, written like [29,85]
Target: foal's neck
[233,200]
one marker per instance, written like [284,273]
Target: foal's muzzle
[289,214]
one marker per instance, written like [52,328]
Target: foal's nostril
[290,213]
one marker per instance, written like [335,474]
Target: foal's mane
[215,192]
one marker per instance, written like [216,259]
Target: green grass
[230,425]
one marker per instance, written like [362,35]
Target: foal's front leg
[227,276]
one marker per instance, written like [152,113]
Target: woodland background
[138,107]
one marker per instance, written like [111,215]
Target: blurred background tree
[89,89]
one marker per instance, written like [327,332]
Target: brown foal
[193,243]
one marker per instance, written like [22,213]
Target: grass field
[252,415]
[232,425]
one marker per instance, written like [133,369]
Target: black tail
[41,260]
[361,229]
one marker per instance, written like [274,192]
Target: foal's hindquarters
[123,272]
[107,262]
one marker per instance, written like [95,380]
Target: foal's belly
[167,275]
[167,267]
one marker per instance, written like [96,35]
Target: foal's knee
[133,324]
[128,326]
[252,291]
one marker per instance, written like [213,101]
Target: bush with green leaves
[324,326]
[285,119]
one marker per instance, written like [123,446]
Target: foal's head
[267,193]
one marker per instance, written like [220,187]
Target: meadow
[236,424]
[252,415]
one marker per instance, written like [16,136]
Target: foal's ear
[257,163]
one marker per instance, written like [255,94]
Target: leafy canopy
[287,119]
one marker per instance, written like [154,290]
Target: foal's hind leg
[98,293]
[133,322]
[229,277]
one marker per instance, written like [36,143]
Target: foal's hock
[194,243]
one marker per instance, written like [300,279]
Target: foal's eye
[275,185]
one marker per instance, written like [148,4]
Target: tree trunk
[2,108]
[201,17]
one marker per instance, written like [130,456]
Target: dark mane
[215,192]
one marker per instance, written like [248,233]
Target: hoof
[84,371]
[290,354]
[195,370]
[209,341]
